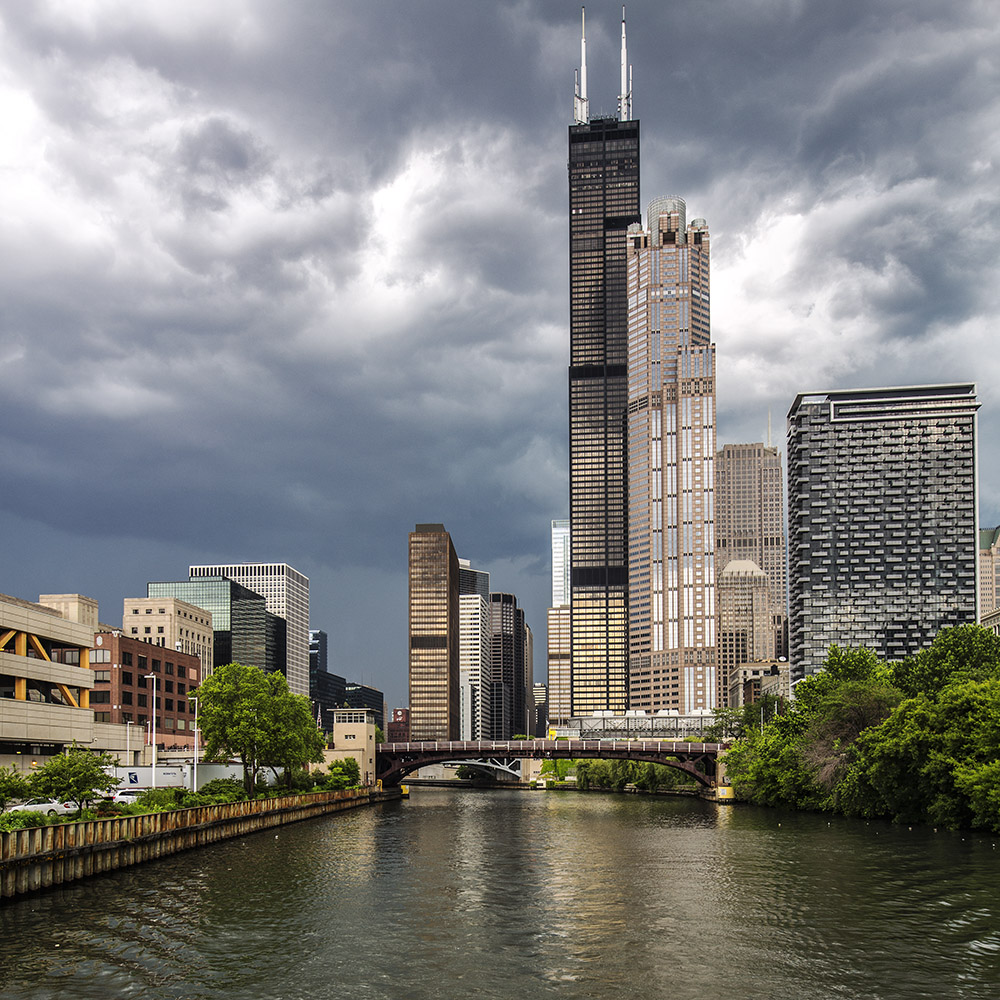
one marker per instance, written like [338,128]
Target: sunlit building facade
[433,634]
[671,454]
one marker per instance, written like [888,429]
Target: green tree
[13,785]
[78,775]
[293,740]
[248,714]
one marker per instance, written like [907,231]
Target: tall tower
[434,634]
[475,658]
[882,519]
[671,453]
[750,526]
[603,203]
[286,593]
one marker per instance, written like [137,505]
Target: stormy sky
[281,280]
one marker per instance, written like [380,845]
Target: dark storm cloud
[282,280]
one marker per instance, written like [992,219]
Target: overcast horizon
[283,281]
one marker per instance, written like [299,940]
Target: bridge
[393,761]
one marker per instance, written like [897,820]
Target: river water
[510,895]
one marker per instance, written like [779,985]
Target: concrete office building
[433,634]
[671,454]
[603,203]
[475,665]
[286,593]
[882,519]
[46,682]
[172,624]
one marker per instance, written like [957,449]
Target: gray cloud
[282,281]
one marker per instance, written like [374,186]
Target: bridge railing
[529,747]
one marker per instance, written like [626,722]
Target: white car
[51,807]
[127,795]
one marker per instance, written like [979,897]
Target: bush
[223,790]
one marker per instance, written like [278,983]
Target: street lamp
[152,728]
[194,698]
[128,743]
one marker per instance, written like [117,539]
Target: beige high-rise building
[746,632]
[173,624]
[671,455]
[989,568]
[559,651]
[433,635]
[750,524]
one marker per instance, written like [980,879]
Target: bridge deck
[394,760]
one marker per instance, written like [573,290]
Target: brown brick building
[123,689]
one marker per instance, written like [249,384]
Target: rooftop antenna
[625,97]
[581,104]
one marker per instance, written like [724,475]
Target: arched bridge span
[393,761]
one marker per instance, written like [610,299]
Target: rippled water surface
[526,894]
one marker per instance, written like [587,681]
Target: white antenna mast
[625,97]
[581,105]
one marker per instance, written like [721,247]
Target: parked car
[127,795]
[52,807]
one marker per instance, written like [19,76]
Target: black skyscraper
[603,203]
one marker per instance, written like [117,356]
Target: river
[514,895]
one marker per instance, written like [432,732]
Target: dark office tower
[510,686]
[603,203]
[882,523]
[434,629]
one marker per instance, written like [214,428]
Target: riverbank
[40,858]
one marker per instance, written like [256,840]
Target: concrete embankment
[42,857]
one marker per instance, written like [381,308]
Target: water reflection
[495,894]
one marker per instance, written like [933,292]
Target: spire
[581,104]
[625,97]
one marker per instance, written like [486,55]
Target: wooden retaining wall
[41,857]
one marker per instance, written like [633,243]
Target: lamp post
[128,743]
[152,728]
[195,700]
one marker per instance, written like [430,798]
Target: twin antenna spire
[581,103]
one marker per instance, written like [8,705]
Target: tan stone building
[746,633]
[671,455]
[354,736]
[172,624]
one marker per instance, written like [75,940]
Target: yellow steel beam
[85,658]
[66,693]
[21,688]
[21,644]
[84,697]
[38,647]
[6,637]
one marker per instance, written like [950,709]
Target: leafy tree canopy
[248,714]
[77,775]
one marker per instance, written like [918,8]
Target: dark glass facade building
[603,203]
[882,519]
[245,631]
